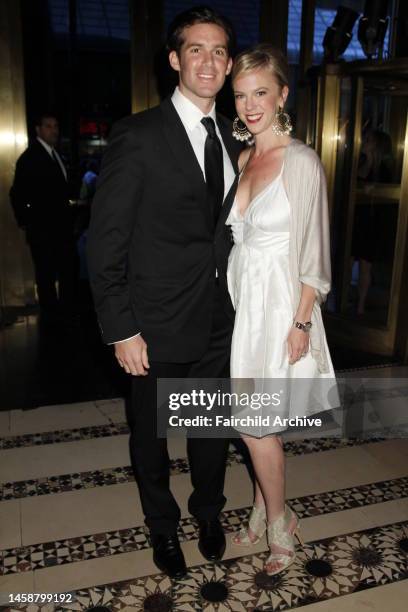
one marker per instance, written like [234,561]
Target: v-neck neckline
[264,190]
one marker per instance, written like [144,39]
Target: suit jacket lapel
[183,152]
[228,141]
[226,207]
[231,147]
[49,160]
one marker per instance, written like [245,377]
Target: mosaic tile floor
[118,475]
[322,570]
[109,568]
[106,544]
[64,435]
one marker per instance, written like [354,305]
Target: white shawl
[309,246]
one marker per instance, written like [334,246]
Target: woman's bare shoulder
[243,158]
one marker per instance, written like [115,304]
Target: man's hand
[298,344]
[132,356]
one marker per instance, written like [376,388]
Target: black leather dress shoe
[211,543]
[168,555]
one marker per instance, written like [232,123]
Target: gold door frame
[328,94]
[348,331]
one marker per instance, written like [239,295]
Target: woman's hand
[298,344]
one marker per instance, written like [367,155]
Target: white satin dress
[260,287]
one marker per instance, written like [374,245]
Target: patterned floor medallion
[331,568]
[206,590]
[279,592]
[214,591]
[158,602]
[386,560]
[319,568]
[148,594]
[403,544]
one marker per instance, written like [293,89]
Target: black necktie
[55,158]
[214,167]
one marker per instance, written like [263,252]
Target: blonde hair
[261,56]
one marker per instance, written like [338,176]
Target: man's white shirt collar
[45,145]
[50,151]
[188,112]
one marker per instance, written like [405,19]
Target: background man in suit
[158,250]
[39,196]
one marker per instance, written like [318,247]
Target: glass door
[369,210]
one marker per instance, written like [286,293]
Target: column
[16,274]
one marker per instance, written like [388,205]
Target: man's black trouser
[207,456]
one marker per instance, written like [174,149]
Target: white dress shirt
[191,116]
[50,150]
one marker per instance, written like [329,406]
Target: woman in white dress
[278,276]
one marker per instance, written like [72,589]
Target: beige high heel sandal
[278,535]
[256,523]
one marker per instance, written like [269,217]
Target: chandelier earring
[240,131]
[282,124]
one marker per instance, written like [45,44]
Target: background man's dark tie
[214,167]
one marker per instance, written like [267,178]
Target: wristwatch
[306,327]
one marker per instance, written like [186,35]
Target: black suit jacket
[39,194]
[152,248]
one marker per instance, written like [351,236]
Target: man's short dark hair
[193,16]
[39,118]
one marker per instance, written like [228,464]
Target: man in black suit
[158,249]
[39,196]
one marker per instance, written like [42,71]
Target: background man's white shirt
[49,151]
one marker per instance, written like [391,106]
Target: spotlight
[373,26]
[339,34]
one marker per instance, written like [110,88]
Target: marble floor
[71,524]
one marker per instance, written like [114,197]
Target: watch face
[304,326]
